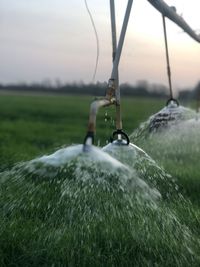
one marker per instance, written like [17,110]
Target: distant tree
[47,83]
[197,91]
[142,84]
[58,83]
[185,94]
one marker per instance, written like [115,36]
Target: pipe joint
[111,89]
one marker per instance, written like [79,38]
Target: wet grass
[91,225]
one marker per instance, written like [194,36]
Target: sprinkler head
[88,141]
[169,115]
[119,142]
[122,143]
[122,138]
[118,145]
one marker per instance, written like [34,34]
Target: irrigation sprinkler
[167,60]
[119,137]
[113,92]
[172,113]
[119,140]
[114,48]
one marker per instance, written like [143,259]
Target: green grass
[67,220]
[33,125]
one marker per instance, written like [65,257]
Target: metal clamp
[172,99]
[123,135]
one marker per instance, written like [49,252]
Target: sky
[43,40]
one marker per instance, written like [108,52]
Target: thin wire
[97,41]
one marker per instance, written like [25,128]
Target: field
[60,219]
[32,126]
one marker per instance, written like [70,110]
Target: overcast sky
[54,39]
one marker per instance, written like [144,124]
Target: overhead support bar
[114,49]
[167,58]
[121,40]
[113,28]
[170,12]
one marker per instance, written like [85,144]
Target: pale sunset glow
[54,39]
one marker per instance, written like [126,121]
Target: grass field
[57,218]
[34,125]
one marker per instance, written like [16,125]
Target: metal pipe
[113,28]
[94,107]
[121,41]
[114,48]
[167,58]
[170,12]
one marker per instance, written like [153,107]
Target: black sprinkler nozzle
[88,141]
[172,99]
[123,135]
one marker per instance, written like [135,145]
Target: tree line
[141,89]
